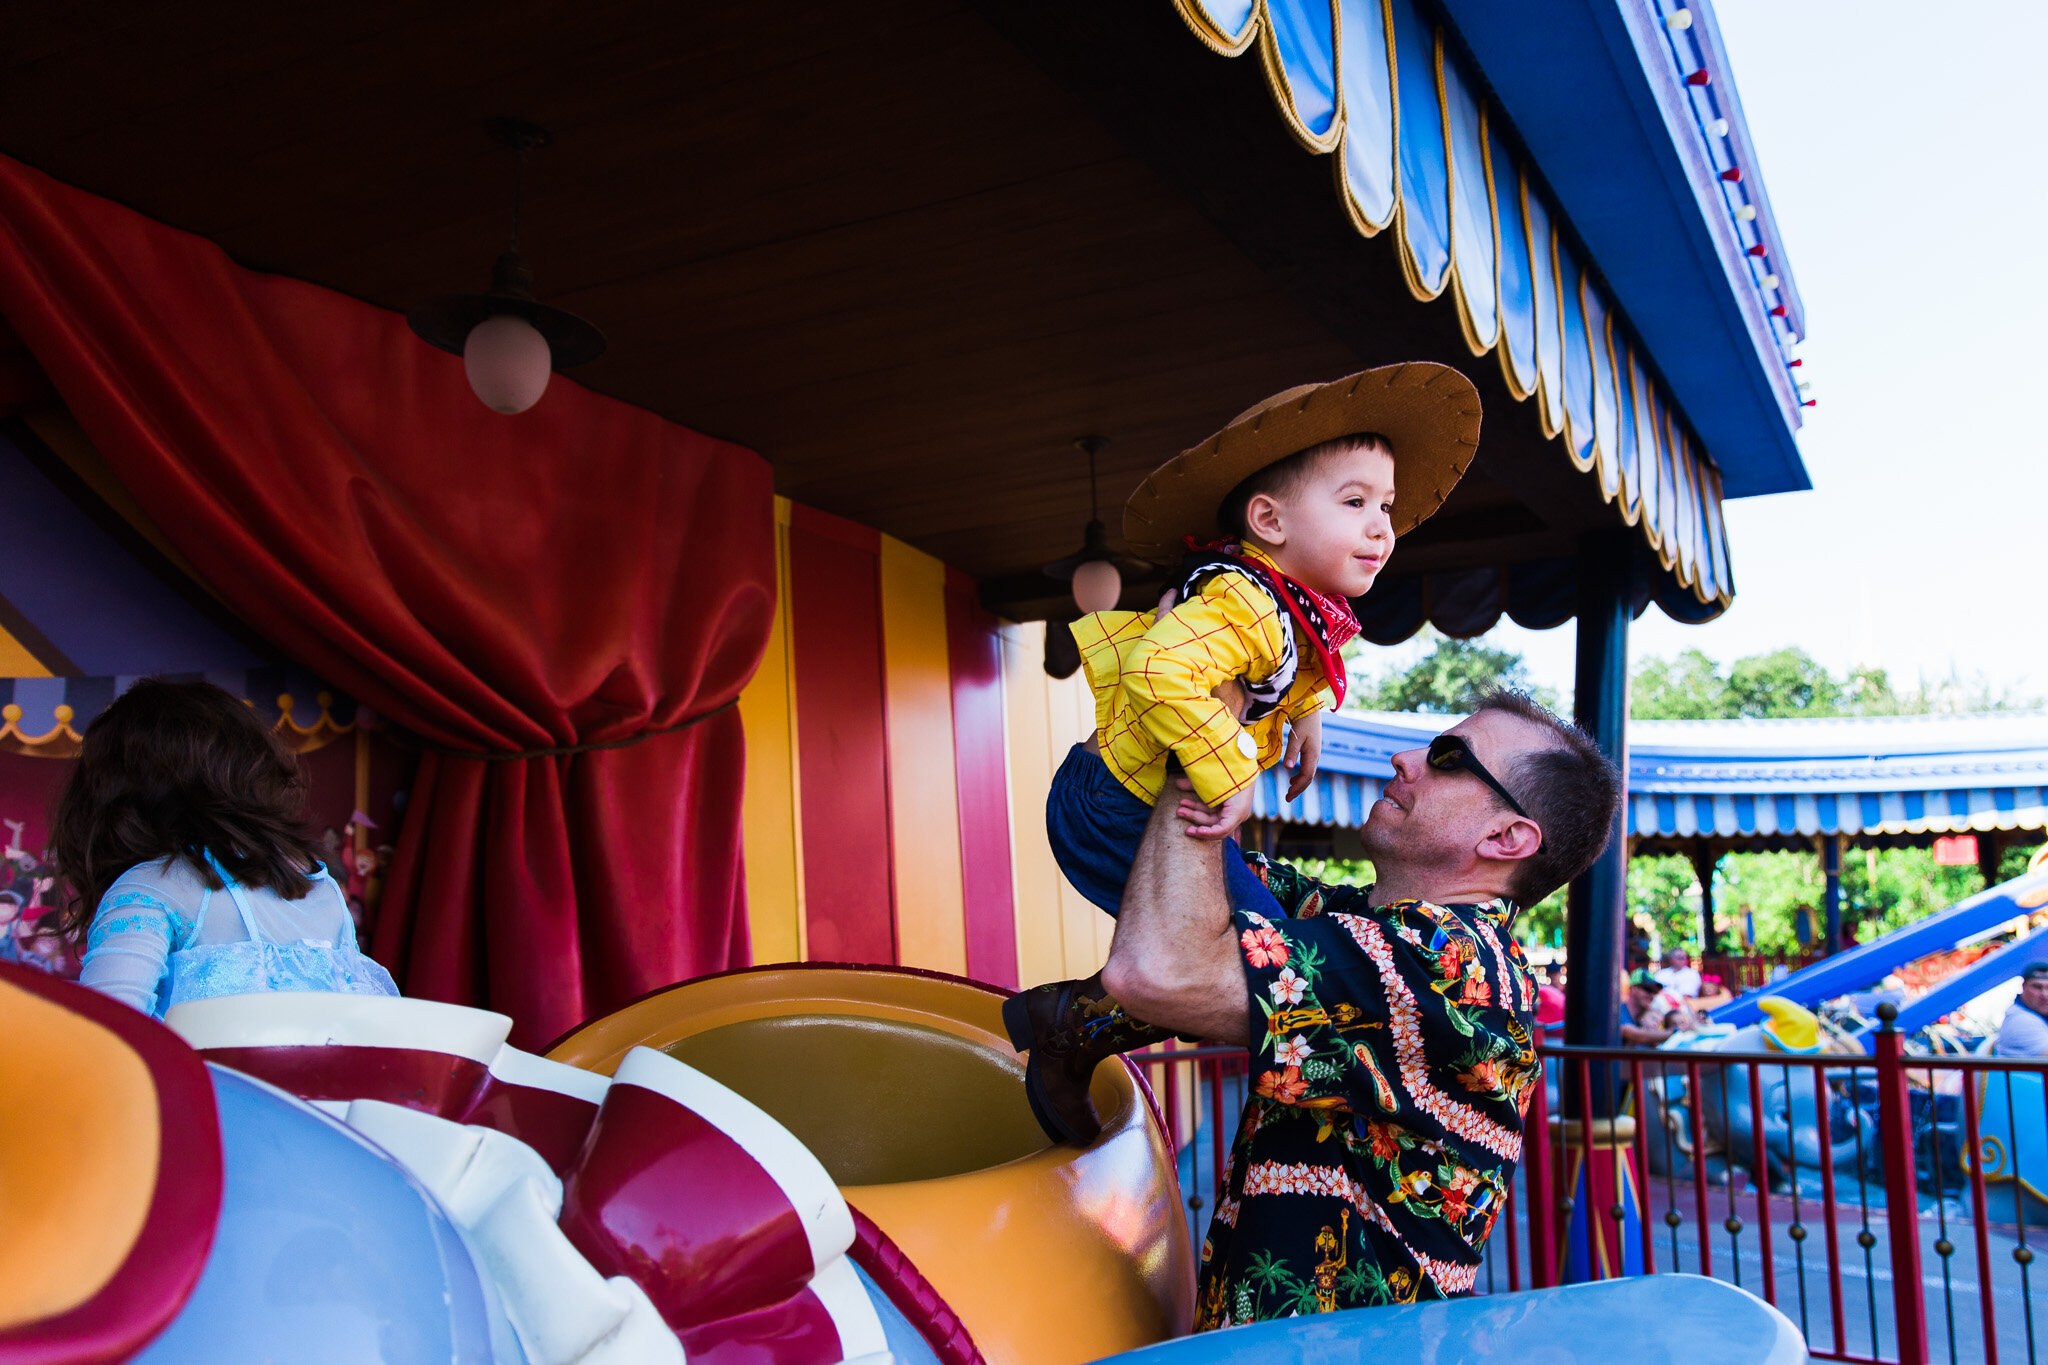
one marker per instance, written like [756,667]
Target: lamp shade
[508,363]
[1097,585]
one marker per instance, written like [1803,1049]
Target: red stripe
[835,604]
[797,1331]
[669,1201]
[975,657]
[161,1268]
[448,1086]
[906,1287]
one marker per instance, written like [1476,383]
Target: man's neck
[1399,884]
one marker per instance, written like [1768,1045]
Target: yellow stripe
[924,799]
[17,662]
[1059,934]
[772,832]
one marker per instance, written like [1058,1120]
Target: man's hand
[1213,822]
[1304,752]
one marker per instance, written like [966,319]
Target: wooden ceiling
[908,250]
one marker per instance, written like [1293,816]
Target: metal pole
[1901,1190]
[1596,916]
[1831,866]
[1704,861]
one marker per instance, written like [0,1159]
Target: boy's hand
[1168,600]
[1213,822]
[1304,752]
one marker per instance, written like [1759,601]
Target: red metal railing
[1927,1219]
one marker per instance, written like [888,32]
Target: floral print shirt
[1391,1068]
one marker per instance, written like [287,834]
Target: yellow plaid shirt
[1152,682]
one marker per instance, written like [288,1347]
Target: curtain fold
[584,573]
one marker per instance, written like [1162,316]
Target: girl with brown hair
[182,799]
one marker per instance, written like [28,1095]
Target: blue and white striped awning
[1747,779]
[1872,775]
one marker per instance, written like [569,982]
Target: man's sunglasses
[1451,754]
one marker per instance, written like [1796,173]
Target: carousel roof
[1581,188]
[1737,781]
[910,260]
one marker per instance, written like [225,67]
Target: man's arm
[1174,962]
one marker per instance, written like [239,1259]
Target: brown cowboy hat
[1428,412]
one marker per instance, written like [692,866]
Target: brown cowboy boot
[1068,1027]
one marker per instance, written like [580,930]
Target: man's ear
[1262,519]
[1514,839]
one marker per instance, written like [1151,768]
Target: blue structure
[1750,784]
[1654,1319]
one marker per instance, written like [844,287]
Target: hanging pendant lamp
[509,341]
[1096,571]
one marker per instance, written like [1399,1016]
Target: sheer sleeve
[128,947]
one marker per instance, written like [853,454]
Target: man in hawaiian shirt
[1388,1025]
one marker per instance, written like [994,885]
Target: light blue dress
[153,946]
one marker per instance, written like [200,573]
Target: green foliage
[1664,891]
[1335,871]
[1791,682]
[1447,680]
[1686,686]
[1882,890]
[1543,922]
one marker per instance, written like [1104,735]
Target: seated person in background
[1653,1012]
[2024,1033]
[183,802]
[1550,997]
[1678,974]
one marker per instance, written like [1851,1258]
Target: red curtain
[582,573]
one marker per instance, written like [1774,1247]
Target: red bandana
[1327,622]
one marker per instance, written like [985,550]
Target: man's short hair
[1279,478]
[1571,789]
[2034,971]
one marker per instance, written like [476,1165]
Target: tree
[1791,682]
[1687,686]
[1785,682]
[1449,679]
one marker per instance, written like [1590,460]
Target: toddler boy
[1285,514]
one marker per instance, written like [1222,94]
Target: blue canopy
[1733,781]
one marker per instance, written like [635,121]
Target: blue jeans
[1095,827]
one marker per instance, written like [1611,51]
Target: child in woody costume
[1284,515]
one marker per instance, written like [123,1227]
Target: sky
[1900,149]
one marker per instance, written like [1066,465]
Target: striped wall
[900,742]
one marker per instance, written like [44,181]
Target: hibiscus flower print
[1264,947]
[1292,1052]
[1385,1145]
[1482,1079]
[1283,1087]
[1288,987]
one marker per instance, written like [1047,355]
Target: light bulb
[508,363]
[1097,586]
[1719,127]
[1746,214]
[1770,281]
[1679,20]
